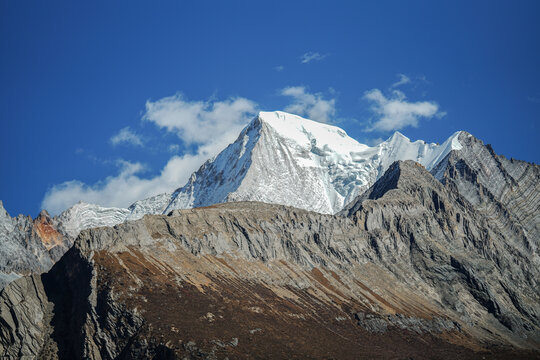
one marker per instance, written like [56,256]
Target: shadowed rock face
[412,266]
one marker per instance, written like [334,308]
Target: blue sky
[91,91]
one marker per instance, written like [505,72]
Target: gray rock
[29,246]
[24,311]
[435,256]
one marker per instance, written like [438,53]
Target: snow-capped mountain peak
[286,159]
[308,132]
[279,158]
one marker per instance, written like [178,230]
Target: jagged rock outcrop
[32,246]
[29,246]
[411,264]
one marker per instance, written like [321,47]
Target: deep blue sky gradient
[73,73]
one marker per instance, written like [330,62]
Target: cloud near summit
[208,126]
[198,122]
[311,56]
[313,106]
[395,112]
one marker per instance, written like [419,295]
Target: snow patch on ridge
[84,216]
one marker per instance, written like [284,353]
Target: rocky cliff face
[29,246]
[472,257]
[506,191]
[410,264]
[32,246]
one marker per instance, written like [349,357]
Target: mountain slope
[413,265]
[85,216]
[472,257]
[506,190]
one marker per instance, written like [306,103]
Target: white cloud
[395,112]
[312,106]
[208,126]
[125,188]
[126,136]
[279,68]
[199,122]
[311,56]
[403,79]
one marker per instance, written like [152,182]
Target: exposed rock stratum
[411,269]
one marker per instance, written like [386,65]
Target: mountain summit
[285,159]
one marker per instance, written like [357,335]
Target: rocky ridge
[505,190]
[29,245]
[410,262]
[477,248]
